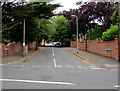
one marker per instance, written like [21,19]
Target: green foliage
[13,13]
[35,15]
[88,13]
[73,37]
[99,39]
[5,41]
[115,17]
[62,29]
[44,29]
[94,33]
[111,33]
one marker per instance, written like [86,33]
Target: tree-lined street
[58,70]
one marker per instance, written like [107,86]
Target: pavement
[19,57]
[95,60]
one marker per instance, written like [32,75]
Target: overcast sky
[67,4]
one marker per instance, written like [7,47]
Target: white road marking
[55,65]
[111,65]
[106,65]
[94,67]
[53,54]
[33,81]
[14,65]
[59,66]
[1,64]
[69,66]
[22,65]
[116,86]
[52,50]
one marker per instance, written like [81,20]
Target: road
[55,68]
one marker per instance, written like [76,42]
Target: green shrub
[73,38]
[99,39]
[5,41]
[94,33]
[111,33]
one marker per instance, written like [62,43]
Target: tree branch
[11,27]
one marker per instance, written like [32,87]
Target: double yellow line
[88,61]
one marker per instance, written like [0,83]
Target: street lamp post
[119,33]
[76,30]
[25,47]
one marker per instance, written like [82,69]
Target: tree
[111,33]
[14,13]
[115,17]
[62,29]
[95,33]
[88,13]
[44,29]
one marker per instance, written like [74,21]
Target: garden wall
[11,49]
[104,48]
[14,48]
[31,45]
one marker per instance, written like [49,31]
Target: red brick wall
[73,44]
[98,47]
[0,50]
[31,45]
[82,45]
[14,48]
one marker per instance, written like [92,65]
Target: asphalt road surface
[55,68]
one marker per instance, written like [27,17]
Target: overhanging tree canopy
[14,13]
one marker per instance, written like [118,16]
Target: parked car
[57,45]
[49,45]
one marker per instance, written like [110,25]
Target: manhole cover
[47,78]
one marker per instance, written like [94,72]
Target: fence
[104,48]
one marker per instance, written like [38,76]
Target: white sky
[67,4]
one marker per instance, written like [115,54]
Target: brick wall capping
[101,41]
[105,41]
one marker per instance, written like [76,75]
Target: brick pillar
[116,49]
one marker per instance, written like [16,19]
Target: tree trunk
[36,45]
[62,42]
